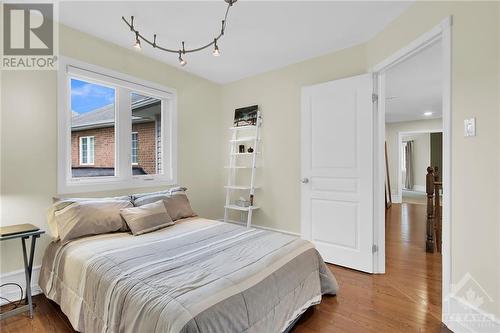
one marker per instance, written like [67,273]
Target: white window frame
[403,156]
[90,158]
[136,149]
[124,85]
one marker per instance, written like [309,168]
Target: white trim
[80,150]
[12,293]
[441,33]
[414,47]
[447,148]
[379,176]
[124,85]
[296,234]
[400,166]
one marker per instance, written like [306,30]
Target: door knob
[304,180]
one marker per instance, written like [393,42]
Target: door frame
[400,146]
[441,33]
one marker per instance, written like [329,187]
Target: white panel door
[337,170]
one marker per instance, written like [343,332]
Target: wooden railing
[434,214]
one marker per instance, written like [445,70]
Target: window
[115,131]
[92,120]
[134,148]
[86,150]
[147,120]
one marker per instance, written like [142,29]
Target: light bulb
[216,51]
[182,62]
[137,44]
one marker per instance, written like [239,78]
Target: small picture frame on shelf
[241,149]
[246,116]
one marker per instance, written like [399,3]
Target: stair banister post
[429,189]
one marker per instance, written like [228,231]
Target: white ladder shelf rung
[249,138]
[240,187]
[238,128]
[238,167]
[244,154]
[243,209]
[246,139]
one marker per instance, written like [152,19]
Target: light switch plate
[470,127]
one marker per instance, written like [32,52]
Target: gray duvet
[196,276]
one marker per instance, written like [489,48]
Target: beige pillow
[178,206]
[146,218]
[89,218]
[61,203]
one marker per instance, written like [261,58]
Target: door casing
[442,34]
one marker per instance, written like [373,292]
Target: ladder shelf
[249,135]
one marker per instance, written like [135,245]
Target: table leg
[28,269]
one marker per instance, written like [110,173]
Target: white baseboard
[12,292]
[418,188]
[265,228]
[396,198]
[462,317]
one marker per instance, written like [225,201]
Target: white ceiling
[415,86]
[260,36]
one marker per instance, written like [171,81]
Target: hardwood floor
[405,299]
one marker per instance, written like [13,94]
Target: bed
[198,275]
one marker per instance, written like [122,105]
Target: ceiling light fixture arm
[182,50]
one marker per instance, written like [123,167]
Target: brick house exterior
[100,124]
[104,146]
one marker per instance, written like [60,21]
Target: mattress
[198,276]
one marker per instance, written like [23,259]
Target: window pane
[92,129]
[146,123]
[134,148]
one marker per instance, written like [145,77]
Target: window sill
[100,184]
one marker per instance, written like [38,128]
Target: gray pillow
[146,198]
[90,218]
[178,206]
[146,218]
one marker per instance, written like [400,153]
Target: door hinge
[374,248]
[374,98]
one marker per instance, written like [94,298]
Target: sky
[87,96]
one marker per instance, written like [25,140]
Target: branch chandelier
[181,51]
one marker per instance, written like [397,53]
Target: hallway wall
[391,137]
[421,158]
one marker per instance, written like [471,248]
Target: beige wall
[278,95]
[421,157]
[475,86]
[422,152]
[29,135]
